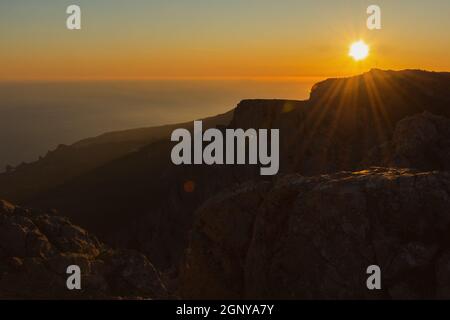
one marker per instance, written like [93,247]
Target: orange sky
[223,39]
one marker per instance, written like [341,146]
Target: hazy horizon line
[174,78]
[268,78]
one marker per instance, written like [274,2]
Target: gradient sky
[217,38]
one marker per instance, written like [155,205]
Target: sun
[359,50]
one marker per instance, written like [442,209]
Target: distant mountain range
[69,161]
[124,188]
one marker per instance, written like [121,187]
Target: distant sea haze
[38,116]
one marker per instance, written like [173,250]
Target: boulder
[421,141]
[37,248]
[314,238]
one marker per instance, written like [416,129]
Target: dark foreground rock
[305,238]
[421,141]
[36,249]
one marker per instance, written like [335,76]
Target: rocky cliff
[314,237]
[36,248]
[140,200]
[421,141]
[346,118]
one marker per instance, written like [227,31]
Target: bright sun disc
[359,50]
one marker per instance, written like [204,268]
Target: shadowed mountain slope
[67,162]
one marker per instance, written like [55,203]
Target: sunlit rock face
[314,237]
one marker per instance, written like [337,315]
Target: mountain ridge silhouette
[138,200]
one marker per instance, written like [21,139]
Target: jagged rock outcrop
[421,141]
[345,118]
[37,248]
[314,237]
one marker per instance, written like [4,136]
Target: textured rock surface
[36,249]
[139,201]
[315,237]
[421,141]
